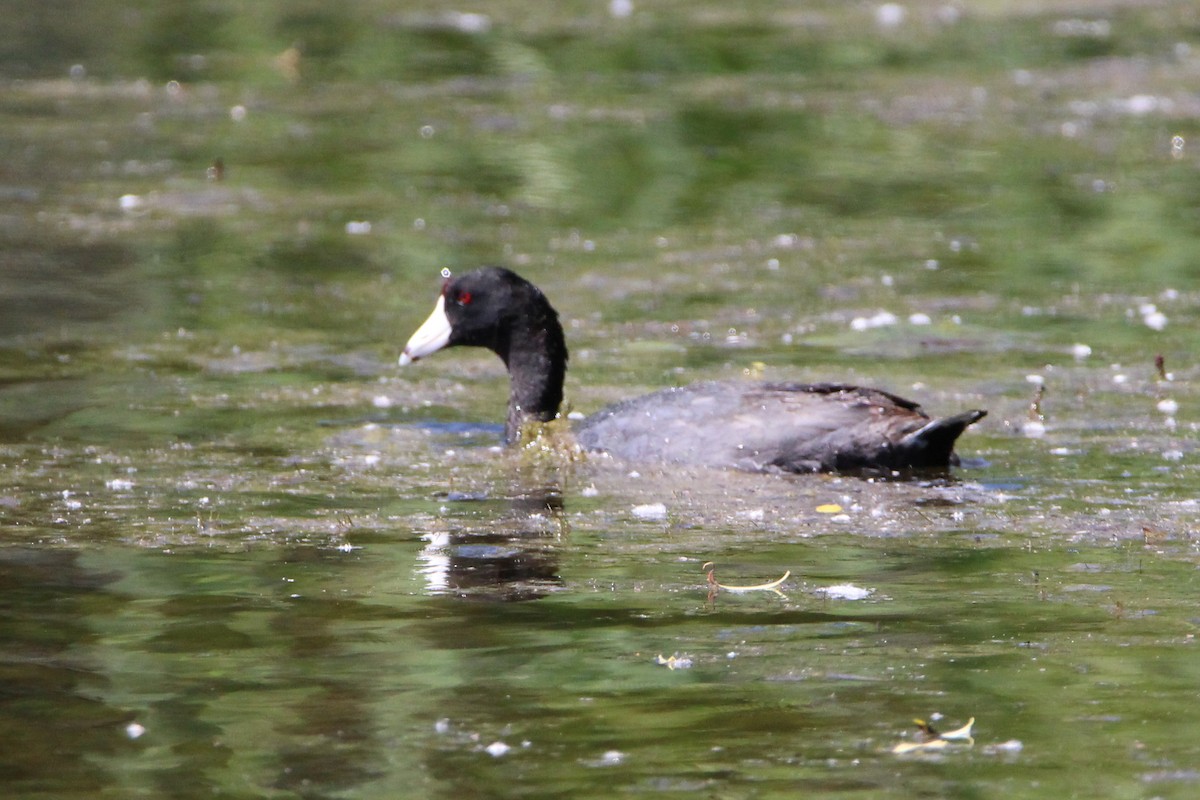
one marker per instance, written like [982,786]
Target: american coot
[795,427]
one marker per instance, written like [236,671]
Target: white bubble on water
[1168,406]
[497,749]
[890,15]
[620,9]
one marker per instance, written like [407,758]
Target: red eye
[464,298]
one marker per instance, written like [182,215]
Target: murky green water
[245,555]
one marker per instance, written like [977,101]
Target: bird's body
[747,425]
[794,427]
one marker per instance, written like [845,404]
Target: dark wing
[760,426]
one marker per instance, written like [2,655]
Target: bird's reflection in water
[507,551]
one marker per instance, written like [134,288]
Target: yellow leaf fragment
[829,508]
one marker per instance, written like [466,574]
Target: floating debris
[1035,425]
[216,170]
[1160,368]
[930,739]
[1166,405]
[287,64]
[962,734]
[770,586]
[674,662]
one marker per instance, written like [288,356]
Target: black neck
[536,357]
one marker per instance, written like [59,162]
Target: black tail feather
[933,444]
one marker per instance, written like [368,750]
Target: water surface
[246,555]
